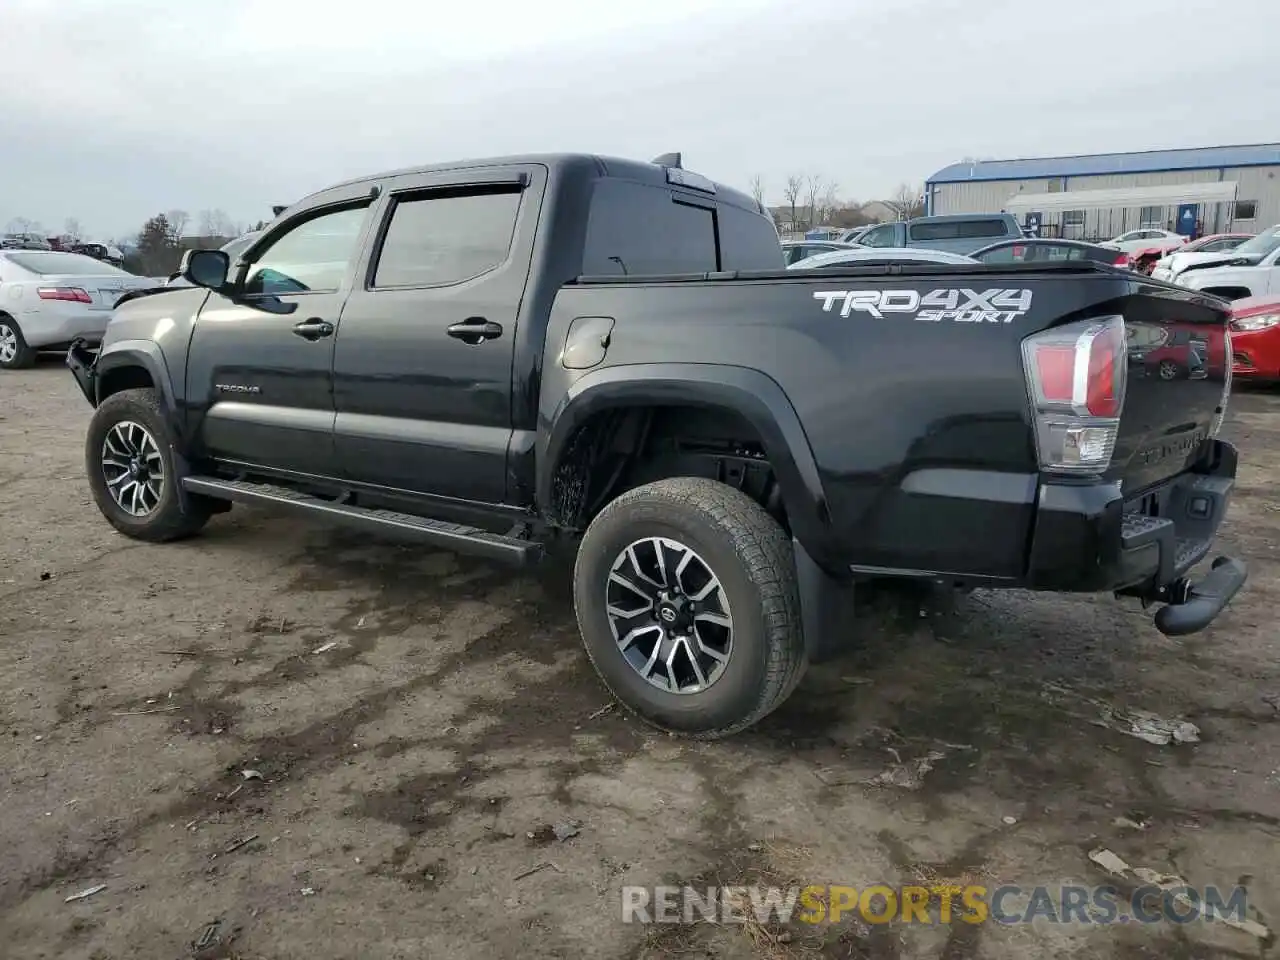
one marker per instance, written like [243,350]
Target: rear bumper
[1089,538]
[1256,354]
[48,328]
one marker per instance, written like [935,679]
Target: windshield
[63,264]
[1260,245]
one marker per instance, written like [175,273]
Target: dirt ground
[420,721]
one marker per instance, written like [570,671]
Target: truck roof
[559,163]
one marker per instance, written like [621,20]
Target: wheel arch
[736,391]
[132,364]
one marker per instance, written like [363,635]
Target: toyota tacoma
[496,356]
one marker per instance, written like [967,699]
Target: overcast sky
[112,110]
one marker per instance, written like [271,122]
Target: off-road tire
[25,356]
[752,557]
[174,516]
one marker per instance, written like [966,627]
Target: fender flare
[749,393]
[147,355]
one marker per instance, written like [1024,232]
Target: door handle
[313,329]
[475,330]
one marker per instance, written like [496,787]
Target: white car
[1204,250]
[48,298]
[870,256]
[1135,241]
[1241,266]
[1251,270]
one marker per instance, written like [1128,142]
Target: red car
[1176,351]
[1255,338]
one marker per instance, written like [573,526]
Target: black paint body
[901,447]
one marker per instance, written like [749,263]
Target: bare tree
[814,186]
[757,189]
[178,220]
[216,223]
[828,202]
[908,200]
[71,227]
[795,184]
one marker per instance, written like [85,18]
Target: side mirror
[205,268]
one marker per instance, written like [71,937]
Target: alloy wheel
[8,343]
[669,615]
[133,468]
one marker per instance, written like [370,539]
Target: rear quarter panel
[918,427]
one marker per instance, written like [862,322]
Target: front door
[260,379]
[423,357]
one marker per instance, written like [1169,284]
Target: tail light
[1122,260]
[70,294]
[1076,375]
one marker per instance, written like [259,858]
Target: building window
[1072,224]
[1245,210]
[1055,186]
[1151,217]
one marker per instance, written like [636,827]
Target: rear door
[422,365]
[258,378]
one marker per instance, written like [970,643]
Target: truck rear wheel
[686,598]
[129,459]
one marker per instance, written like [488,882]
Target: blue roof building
[1229,188]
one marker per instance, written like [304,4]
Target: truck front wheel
[129,458]
[686,598]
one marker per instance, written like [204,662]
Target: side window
[312,257]
[879,236]
[446,238]
[1245,210]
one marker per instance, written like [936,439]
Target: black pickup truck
[491,356]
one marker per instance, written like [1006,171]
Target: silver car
[870,256]
[48,298]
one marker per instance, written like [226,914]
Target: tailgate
[1178,379]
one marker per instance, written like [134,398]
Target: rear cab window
[637,229]
[959,229]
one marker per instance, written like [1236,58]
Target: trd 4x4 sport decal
[955,305]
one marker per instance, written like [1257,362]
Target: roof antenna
[278,209]
[668,160]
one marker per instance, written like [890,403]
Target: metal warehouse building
[1201,190]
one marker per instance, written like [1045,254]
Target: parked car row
[809,255]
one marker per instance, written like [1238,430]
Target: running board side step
[405,526]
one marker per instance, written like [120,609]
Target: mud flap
[826,606]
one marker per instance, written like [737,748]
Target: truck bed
[911,386]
